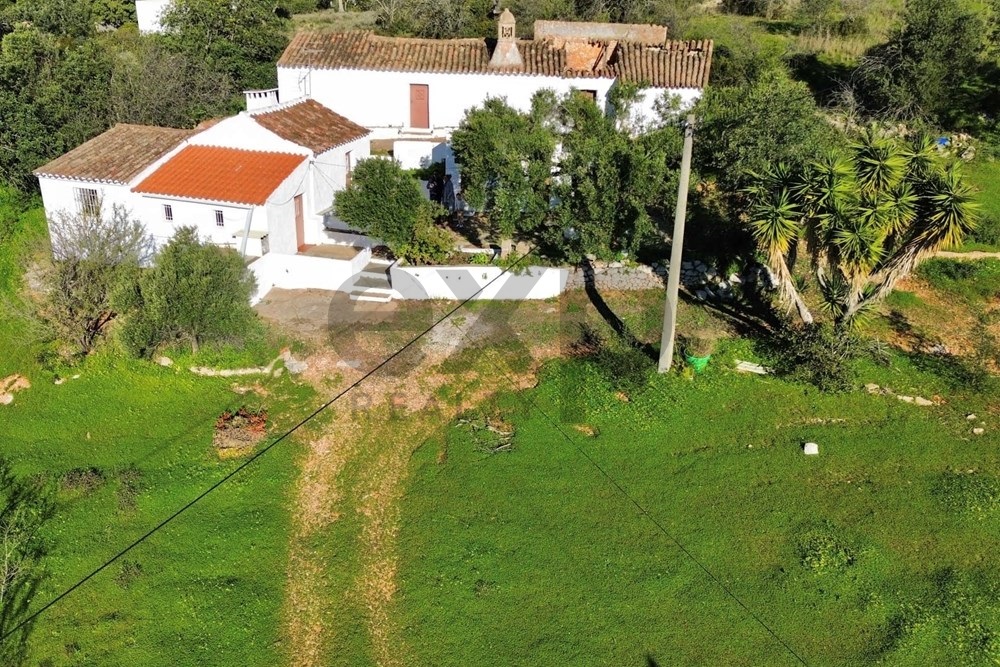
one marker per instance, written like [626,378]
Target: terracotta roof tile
[221,174]
[675,64]
[310,124]
[116,156]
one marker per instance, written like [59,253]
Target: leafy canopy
[196,292]
[868,218]
[384,201]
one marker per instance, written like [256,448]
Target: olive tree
[92,252]
[195,292]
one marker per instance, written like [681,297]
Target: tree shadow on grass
[957,371]
[616,323]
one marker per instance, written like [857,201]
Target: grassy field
[853,557]
[123,445]
[985,176]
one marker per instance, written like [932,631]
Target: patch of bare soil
[355,431]
[10,385]
[237,433]
[941,321]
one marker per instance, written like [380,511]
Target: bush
[815,354]
[196,292]
[384,201]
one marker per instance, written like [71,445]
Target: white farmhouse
[263,181]
[408,90]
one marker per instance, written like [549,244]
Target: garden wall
[462,282]
[301,272]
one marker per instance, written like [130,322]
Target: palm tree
[776,223]
[867,219]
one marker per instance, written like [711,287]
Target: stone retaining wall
[621,278]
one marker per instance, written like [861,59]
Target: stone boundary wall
[614,276]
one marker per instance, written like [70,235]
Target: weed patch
[822,549]
[970,493]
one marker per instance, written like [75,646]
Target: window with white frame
[168,212]
[87,201]
[220,220]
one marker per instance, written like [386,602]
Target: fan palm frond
[879,162]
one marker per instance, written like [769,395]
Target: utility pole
[676,248]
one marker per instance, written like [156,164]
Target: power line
[253,458]
[642,510]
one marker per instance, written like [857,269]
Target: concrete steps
[372,284]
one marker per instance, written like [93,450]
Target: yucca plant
[867,218]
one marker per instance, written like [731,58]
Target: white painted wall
[200,215]
[381,100]
[242,131]
[58,195]
[461,282]
[331,172]
[148,13]
[301,272]
[281,213]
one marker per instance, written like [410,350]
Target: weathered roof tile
[116,156]
[308,123]
[674,64]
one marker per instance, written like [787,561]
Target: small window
[168,212]
[220,221]
[87,201]
[589,94]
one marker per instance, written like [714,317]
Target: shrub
[196,292]
[385,201]
[815,354]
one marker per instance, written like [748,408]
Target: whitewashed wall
[301,272]
[462,282]
[242,131]
[381,100]
[331,172]
[200,215]
[58,195]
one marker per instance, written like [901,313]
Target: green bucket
[697,363]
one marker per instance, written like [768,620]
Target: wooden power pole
[676,248]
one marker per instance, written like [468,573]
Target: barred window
[220,221]
[168,212]
[87,201]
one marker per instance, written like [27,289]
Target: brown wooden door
[300,224]
[420,115]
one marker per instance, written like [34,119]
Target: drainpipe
[246,233]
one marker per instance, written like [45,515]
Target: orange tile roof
[221,174]
[674,64]
[116,156]
[308,123]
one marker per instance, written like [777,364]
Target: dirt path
[357,468]
[969,256]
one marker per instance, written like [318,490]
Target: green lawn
[123,446]
[872,551]
[985,176]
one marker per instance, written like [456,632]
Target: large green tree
[742,129]
[386,202]
[196,292]
[506,159]
[935,66]
[866,220]
[242,38]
